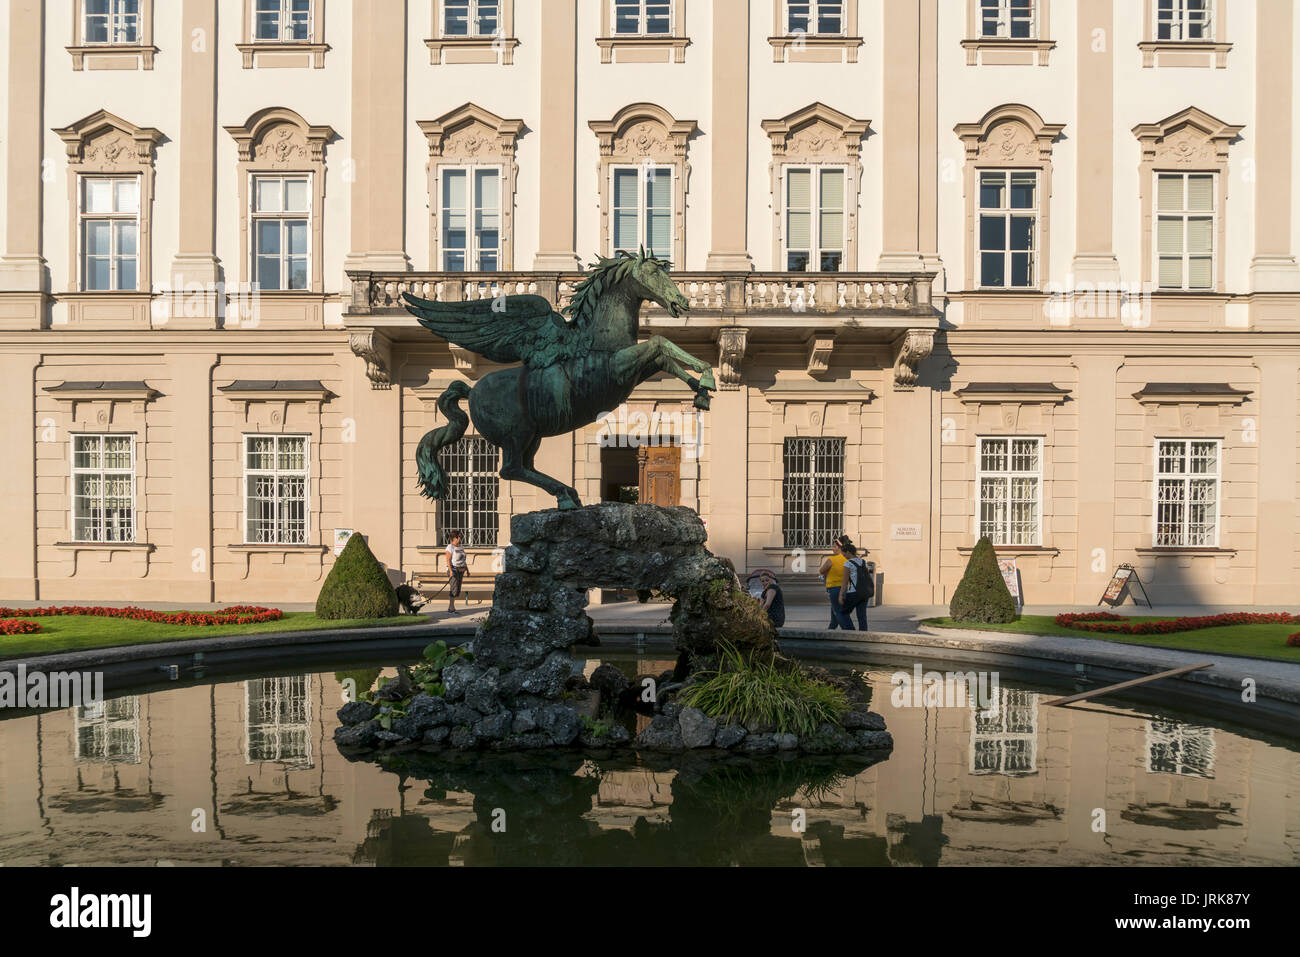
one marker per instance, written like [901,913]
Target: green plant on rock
[357,586]
[982,596]
[599,729]
[757,691]
[427,675]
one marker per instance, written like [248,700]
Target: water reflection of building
[109,731]
[1004,739]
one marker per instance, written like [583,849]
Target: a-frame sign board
[1125,577]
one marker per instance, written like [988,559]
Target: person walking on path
[832,572]
[857,588]
[773,600]
[457,569]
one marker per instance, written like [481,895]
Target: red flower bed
[234,615]
[19,628]
[1294,640]
[1104,621]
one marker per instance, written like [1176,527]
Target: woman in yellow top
[832,572]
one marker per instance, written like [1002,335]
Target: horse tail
[432,478]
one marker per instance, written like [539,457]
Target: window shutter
[1170,192]
[1200,193]
[832,209]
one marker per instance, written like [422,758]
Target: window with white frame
[473,489]
[643,209]
[281,222]
[643,17]
[1187,493]
[1008,228]
[1004,739]
[1177,748]
[471,218]
[814,218]
[103,488]
[284,21]
[1009,482]
[277,726]
[1008,19]
[471,18]
[814,17]
[109,731]
[813,491]
[1184,19]
[1185,226]
[110,233]
[275,489]
[111,21]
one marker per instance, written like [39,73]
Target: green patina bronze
[574,370]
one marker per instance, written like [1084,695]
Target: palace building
[1015,268]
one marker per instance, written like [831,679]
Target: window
[275,489]
[1009,482]
[813,491]
[471,218]
[642,17]
[1008,227]
[1187,493]
[112,21]
[1177,748]
[281,217]
[1184,20]
[110,233]
[109,731]
[643,209]
[814,219]
[471,18]
[815,17]
[1185,230]
[1007,19]
[278,725]
[473,488]
[1004,739]
[287,21]
[103,488]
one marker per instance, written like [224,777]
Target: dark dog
[410,599]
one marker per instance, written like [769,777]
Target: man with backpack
[857,589]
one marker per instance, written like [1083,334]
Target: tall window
[643,17]
[1184,19]
[275,489]
[1177,748]
[643,209]
[1008,228]
[1185,230]
[471,218]
[1008,19]
[103,488]
[471,18]
[112,21]
[1004,739]
[473,490]
[1009,482]
[282,20]
[815,17]
[1187,493]
[813,491]
[109,731]
[281,220]
[814,218]
[278,721]
[110,233]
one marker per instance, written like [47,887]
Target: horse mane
[605,273]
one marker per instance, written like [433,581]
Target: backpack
[864,588]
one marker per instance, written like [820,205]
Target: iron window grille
[276,474]
[278,720]
[1187,493]
[473,491]
[813,491]
[1008,481]
[103,488]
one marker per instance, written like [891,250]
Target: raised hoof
[568,500]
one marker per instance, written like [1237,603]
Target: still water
[246,773]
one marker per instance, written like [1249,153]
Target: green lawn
[1254,641]
[76,632]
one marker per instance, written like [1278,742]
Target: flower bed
[1294,640]
[1104,621]
[234,615]
[19,628]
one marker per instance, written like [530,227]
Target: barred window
[1004,739]
[286,21]
[109,731]
[813,491]
[1008,19]
[278,724]
[1009,478]
[112,21]
[1184,19]
[473,490]
[1187,493]
[103,488]
[275,488]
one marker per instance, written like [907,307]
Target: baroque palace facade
[1023,268]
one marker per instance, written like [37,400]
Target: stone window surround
[1030,150]
[300,149]
[1204,150]
[814,47]
[471,134]
[644,133]
[612,45]
[1008,50]
[1041,476]
[473,49]
[113,56]
[1209,52]
[252,50]
[796,142]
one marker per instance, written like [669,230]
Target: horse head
[649,278]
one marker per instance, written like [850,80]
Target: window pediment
[471,132]
[277,137]
[1012,134]
[102,142]
[816,132]
[643,131]
[1191,138]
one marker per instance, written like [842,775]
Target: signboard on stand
[1122,581]
[1011,575]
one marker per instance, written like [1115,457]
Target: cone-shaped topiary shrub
[982,595]
[356,586]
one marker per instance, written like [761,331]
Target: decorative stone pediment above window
[1021,393]
[103,398]
[1190,393]
[266,402]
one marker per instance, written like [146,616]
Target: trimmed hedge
[357,586]
[982,595]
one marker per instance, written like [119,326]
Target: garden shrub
[357,586]
[982,594]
